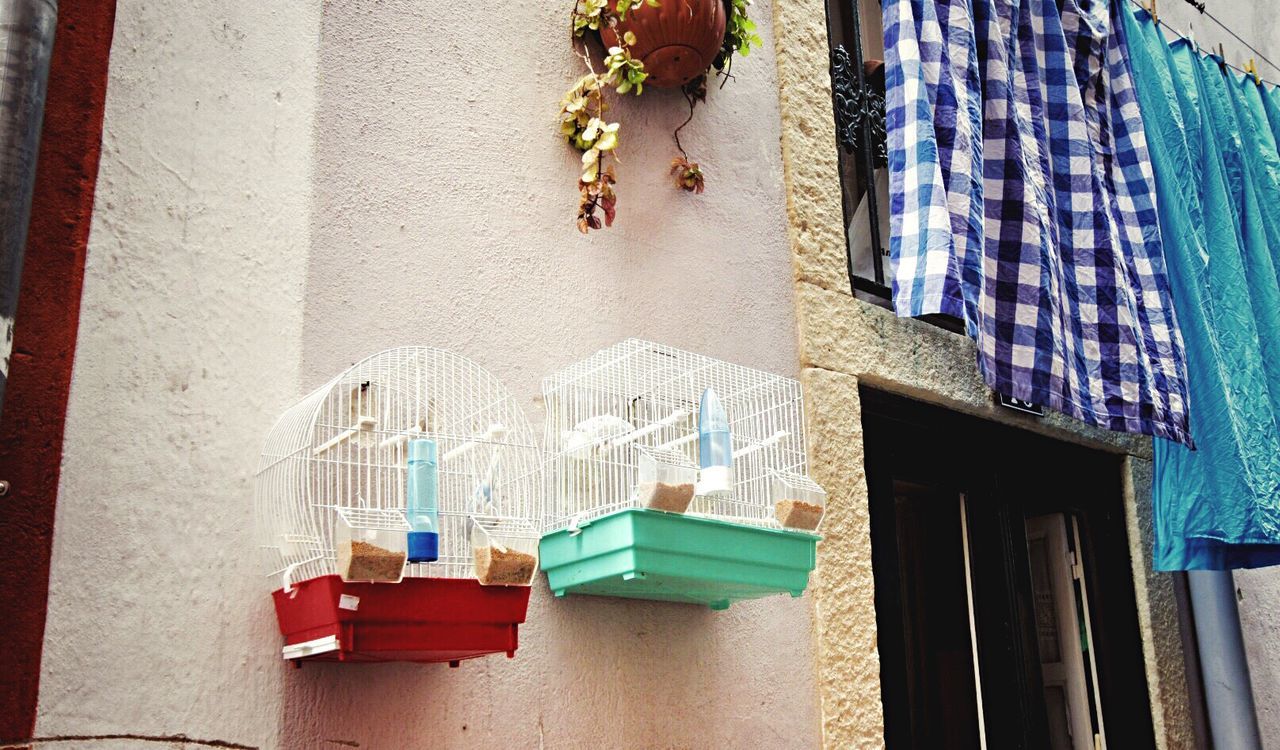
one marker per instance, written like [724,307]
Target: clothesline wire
[1228,29]
[1203,11]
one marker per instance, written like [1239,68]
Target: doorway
[1004,592]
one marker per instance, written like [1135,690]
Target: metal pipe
[1233,721]
[26,45]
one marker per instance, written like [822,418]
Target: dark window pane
[936,650]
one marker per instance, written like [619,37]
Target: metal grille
[859,110]
[858,105]
[343,449]
[637,394]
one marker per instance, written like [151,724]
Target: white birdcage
[338,459]
[637,402]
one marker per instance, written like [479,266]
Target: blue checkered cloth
[1022,201]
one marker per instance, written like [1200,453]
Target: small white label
[347,601]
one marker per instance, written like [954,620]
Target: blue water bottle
[422,502]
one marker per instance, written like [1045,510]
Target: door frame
[993,465]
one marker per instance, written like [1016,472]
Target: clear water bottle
[715,447]
[422,501]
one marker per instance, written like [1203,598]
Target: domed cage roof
[339,456]
[636,403]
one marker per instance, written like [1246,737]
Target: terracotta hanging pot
[676,41]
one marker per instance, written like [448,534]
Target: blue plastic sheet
[1212,137]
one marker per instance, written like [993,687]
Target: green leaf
[607,142]
[630,38]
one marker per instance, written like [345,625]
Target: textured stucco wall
[1258,592]
[400,161]
[48,315]
[1254,20]
[190,341]
[444,215]
[843,342]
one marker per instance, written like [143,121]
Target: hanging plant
[739,37]
[665,43]
[688,175]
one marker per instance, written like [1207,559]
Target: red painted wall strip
[44,345]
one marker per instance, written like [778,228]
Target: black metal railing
[860,129]
[858,103]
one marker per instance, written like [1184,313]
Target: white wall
[189,343]
[1254,20]
[445,207]
[401,159]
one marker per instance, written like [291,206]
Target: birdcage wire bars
[603,409]
[344,446]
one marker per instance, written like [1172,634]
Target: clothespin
[1222,55]
[1155,17]
[1252,69]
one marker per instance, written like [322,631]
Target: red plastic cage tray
[418,619]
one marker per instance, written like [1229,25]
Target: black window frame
[1008,474]
[860,134]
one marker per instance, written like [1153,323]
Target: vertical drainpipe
[26,44]
[1233,722]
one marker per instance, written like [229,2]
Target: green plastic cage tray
[649,554]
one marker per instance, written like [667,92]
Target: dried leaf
[688,175]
